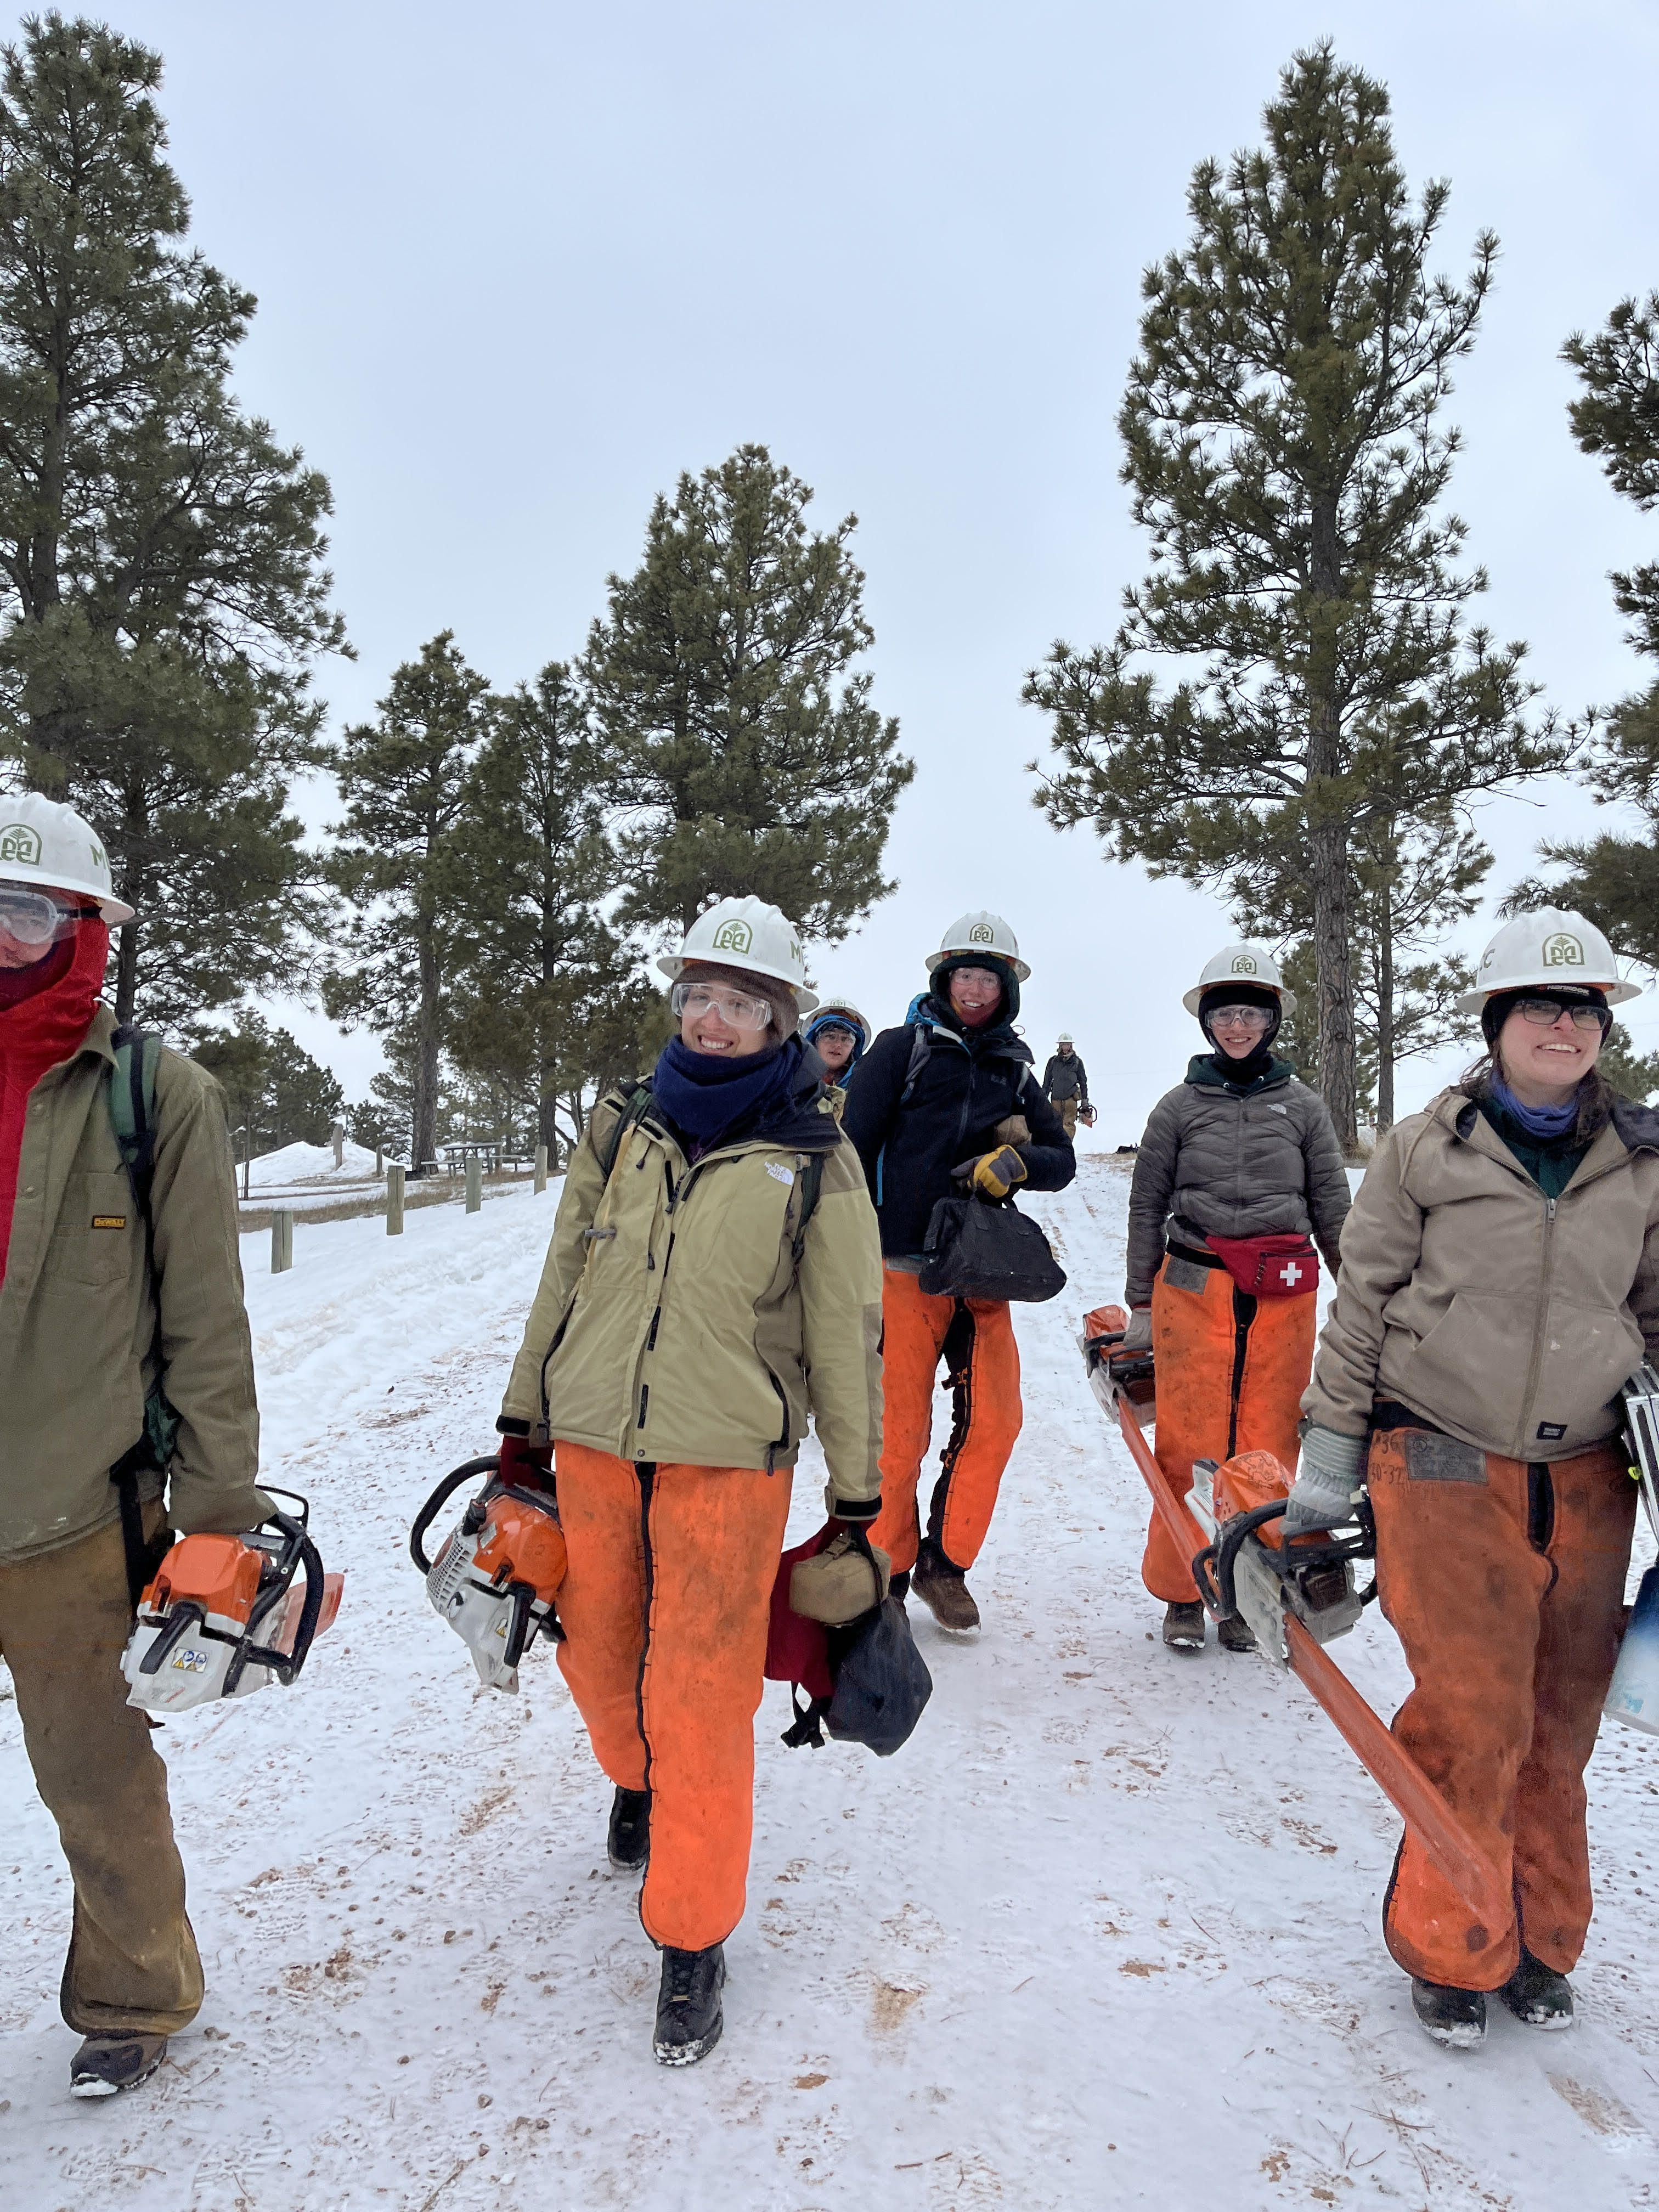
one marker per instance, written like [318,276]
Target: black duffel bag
[881,1685]
[980,1248]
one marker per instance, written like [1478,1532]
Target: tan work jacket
[673,1321]
[1507,1319]
[77,1324]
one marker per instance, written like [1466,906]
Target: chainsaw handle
[186,1615]
[486,1463]
[311,1612]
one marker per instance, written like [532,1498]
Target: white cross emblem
[1291,1275]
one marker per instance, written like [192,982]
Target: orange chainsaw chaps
[1200,1414]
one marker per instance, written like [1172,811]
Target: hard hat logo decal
[1243,964]
[981,933]
[20,845]
[733,936]
[1563,951]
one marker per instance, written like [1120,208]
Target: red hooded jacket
[44,1013]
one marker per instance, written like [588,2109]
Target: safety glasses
[986,978]
[1544,1013]
[33,918]
[733,1007]
[1258,1018]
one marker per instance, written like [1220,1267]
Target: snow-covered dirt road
[1105,1933]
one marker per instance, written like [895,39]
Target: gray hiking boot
[1537,1995]
[107,2064]
[1183,1627]
[944,1590]
[1454,2017]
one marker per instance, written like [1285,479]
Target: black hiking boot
[899,1586]
[1236,1633]
[107,2064]
[1456,2017]
[944,1590]
[688,2017]
[1537,1995]
[1183,1627]
[627,1839]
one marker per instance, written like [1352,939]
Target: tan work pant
[1066,1109]
[64,1619]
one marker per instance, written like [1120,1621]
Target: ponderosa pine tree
[272,1085]
[740,741]
[533,872]
[159,552]
[1285,452]
[1612,878]
[405,779]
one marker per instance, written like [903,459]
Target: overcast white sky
[519,264]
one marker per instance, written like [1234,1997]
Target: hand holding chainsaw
[1327,1483]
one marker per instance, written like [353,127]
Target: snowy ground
[302,1176]
[1104,1933]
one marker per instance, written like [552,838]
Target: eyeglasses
[1544,1013]
[1249,1017]
[732,1006]
[33,918]
[983,977]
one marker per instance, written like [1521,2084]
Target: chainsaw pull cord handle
[486,1463]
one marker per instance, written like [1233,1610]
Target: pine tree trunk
[1327,836]
[126,971]
[1385,1010]
[424,1116]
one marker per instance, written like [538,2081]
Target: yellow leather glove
[995,1174]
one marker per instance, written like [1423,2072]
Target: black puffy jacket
[969,1082]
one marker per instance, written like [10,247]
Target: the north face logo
[733,936]
[1243,964]
[20,845]
[981,933]
[1563,951]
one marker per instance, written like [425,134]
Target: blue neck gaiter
[1541,1122]
[706,1093]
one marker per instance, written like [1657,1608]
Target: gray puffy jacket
[1263,1162]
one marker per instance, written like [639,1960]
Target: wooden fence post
[541,1168]
[394,1199]
[282,1240]
[474,1183]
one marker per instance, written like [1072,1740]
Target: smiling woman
[1500,1283]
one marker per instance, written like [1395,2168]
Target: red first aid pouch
[1269,1266]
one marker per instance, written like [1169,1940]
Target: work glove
[1014,1130]
[1322,1496]
[995,1174]
[529,1465]
[1138,1337]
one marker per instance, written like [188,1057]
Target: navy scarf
[1541,1123]
[707,1093]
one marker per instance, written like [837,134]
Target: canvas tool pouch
[844,1580]
[1269,1266]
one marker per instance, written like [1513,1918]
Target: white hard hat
[979,933]
[747,933]
[851,1018]
[1548,946]
[1065,1037]
[43,841]
[1240,963]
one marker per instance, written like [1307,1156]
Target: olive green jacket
[674,1322]
[77,1324]
[1506,1318]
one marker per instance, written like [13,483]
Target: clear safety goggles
[986,977]
[1249,1017]
[33,918]
[735,1008]
[1544,1013]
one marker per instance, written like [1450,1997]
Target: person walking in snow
[1238,1169]
[1066,1086]
[840,1035]
[952,1090]
[715,1275]
[126,1376]
[1500,1283]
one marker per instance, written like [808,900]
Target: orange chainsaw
[222,1617]
[498,1575]
[1296,1596]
